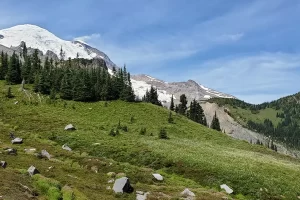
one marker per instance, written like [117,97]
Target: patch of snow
[204,88]
[110,71]
[207,96]
[39,38]
[140,88]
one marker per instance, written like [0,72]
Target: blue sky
[250,49]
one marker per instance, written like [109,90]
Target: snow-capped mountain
[36,37]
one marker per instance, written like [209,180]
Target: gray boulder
[122,185]
[32,170]
[187,193]
[65,147]
[17,141]
[11,151]
[70,127]
[3,164]
[45,154]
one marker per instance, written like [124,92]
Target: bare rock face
[191,89]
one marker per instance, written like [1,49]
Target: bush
[143,131]
[163,134]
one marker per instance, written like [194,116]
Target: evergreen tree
[182,107]
[66,91]
[24,50]
[3,65]
[35,67]
[215,124]
[163,134]
[172,107]
[13,75]
[26,69]
[170,118]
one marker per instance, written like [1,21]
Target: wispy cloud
[263,76]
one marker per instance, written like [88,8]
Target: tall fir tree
[172,106]
[182,107]
[3,65]
[13,75]
[215,124]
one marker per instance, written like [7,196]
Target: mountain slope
[38,38]
[193,157]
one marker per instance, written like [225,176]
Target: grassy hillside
[195,156]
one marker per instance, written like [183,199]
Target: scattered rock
[31,150]
[45,154]
[122,185]
[108,188]
[111,174]
[95,169]
[187,193]
[141,195]
[11,151]
[70,127]
[111,181]
[120,175]
[32,170]
[226,188]
[158,177]
[51,167]
[16,102]
[3,164]
[17,141]
[65,147]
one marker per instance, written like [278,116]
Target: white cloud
[254,78]
[88,38]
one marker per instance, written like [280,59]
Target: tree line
[68,79]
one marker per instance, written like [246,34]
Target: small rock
[140,192]
[16,102]
[226,188]
[45,154]
[11,151]
[95,169]
[65,147]
[122,185]
[111,181]
[32,170]
[70,127]
[108,188]
[17,141]
[158,177]
[111,174]
[31,150]
[120,175]
[142,196]
[187,193]
[51,167]
[3,164]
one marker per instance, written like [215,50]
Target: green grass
[194,156]
[243,115]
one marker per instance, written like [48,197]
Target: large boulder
[32,170]
[3,164]
[65,147]
[226,188]
[122,185]
[70,127]
[17,141]
[158,177]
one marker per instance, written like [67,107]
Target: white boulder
[17,141]
[158,177]
[226,188]
[65,147]
[70,127]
